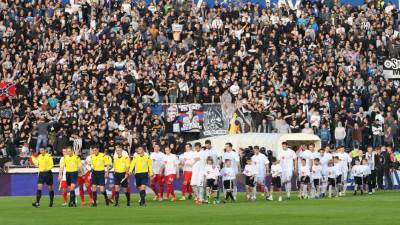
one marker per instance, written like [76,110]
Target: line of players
[205,173]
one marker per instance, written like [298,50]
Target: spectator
[340,134]
[325,134]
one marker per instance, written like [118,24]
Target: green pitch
[382,208]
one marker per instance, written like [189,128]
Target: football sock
[128,196]
[105,196]
[38,195]
[51,194]
[94,196]
[72,196]
[65,196]
[142,196]
[81,193]
[116,197]
[113,193]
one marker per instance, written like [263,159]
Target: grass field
[382,208]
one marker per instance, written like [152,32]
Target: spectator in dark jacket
[61,142]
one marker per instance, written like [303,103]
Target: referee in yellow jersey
[121,171]
[45,163]
[71,164]
[142,165]
[99,165]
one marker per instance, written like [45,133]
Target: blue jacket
[324,134]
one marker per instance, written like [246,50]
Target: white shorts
[197,178]
[287,176]
[260,179]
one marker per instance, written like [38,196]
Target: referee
[121,171]
[99,163]
[142,165]
[71,164]
[45,163]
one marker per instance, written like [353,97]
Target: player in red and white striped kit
[87,176]
[84,180]
[171,171]
[63,184]
[187,161]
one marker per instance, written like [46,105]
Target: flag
[7,89]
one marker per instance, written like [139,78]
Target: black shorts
[228,185]
[71,177]
[305,180]
[211,184]
[332,182]
[45,177]
[98,178]
[118,177]
[276,182]
[250,181]
[339,179]
[358,180]
[141,179]
[365,179]
[317,182]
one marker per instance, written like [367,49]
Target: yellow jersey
[141,164]
[121,164]
[99,161]
[71,163]
[44,162]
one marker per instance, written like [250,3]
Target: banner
[215,121]
[391,68]
[208,119]
[7,89]
[190,117]
[241,122]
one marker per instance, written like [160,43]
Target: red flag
[7,89]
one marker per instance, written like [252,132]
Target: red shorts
[87,177]
[63,184]
[84,179]
[81,180]
[187,176]
[170,178]
[158,178]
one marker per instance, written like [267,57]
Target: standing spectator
[340,134]
[377,134]
[325,134]
[357,136]
[61,142]
[42,129]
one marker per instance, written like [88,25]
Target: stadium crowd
[86,72]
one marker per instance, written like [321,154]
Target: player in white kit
[287,158]
[187,161]
[157,158]
[261,164]
[324,158]
[197,180]
[229,179]
[234,159]
[316,175]
[345,161]
[171,172]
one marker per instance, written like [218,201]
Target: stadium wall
[25,184]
